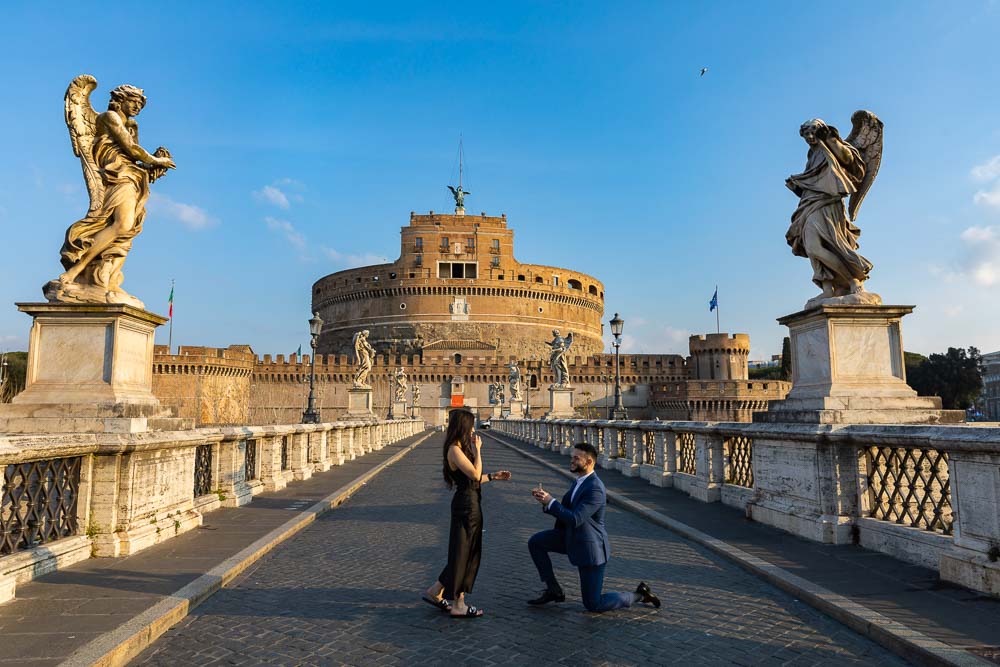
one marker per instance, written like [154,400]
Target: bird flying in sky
[703,70]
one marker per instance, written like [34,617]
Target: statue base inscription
[847,368]
[515,410]
[359,404]
[560,403]
[90,369]
[398,410]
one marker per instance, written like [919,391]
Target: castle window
[495,262]
[444,243]
[402,306]
[520,277]
[575,284]
[418,244]
[412,274]
[392,276]
[495,247]
[592,290]
[458,358]
[555,280]
[470,244]
[418,260]
[538,279]
[358,279]
[499,276]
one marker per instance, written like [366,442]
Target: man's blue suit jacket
[582,523]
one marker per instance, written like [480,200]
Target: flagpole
[170,336]
[718,329]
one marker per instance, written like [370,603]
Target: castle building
[457,287]
[453,311]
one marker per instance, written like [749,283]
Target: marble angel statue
[118,173]
[514,381]
[822,227]
[399,385]
[364,355]
[557,357]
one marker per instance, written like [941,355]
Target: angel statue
[557,357]
[459,195]
[364,354]
[118,172]
[822,229]
[415,393]
[399,384]
[514,381]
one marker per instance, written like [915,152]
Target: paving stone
[346,591]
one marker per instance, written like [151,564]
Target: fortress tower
[457,286]
[720,356]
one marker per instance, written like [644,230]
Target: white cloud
[291,234]
[980,257]
[988,170]
[989,197]
[349,261]
[189,215]
[272,195]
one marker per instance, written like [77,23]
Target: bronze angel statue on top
[822,228]
[118,173]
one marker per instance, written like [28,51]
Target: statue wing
[569,340]
[866,136]
[81,119]
[453,192]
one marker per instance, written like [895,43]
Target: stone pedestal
[560,403]
[847,368]
[398,410]
[415,412]
[515,410]
[359,404]
[496,411]
[90,369]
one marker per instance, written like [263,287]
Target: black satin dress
[465,541]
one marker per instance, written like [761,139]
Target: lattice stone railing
[39,503]
[926,494]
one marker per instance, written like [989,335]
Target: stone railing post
[320,449]
[298,456]
[232,483]
[974,559]
[607,457]
[629,466]
[269,463]
[707,485]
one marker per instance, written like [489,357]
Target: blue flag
[714,303]
[299,353]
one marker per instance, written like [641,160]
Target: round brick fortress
[456,285]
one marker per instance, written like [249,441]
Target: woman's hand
[479,443]
[501,475]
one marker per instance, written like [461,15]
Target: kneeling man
[579,533]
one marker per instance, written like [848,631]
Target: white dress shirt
[576,487]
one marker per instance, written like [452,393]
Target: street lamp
[527,391]
[311,416]
[616,329]
[607,404]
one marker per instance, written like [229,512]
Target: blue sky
[305,135]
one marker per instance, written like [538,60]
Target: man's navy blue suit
[580,534]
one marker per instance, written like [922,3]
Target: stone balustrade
[925,494]
[66,498]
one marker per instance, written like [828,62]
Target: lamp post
[311,416]
[527,390]
[605,379]
[616,329]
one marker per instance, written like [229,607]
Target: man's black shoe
[548,596]
[646,596]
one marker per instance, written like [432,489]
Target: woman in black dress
[463,471]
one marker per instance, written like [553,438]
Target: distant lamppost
[616,329]
[311,416]
[606,380]
[527,390]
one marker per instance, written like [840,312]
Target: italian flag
[170,300]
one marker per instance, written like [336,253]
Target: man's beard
[573,467]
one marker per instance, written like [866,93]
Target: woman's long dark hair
[460,425]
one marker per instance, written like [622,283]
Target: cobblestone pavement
[346,591]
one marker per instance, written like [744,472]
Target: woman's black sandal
[441,604]
[470,612]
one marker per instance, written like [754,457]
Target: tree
[786,359]
[955,376]
[14,375]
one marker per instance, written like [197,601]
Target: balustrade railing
[39,503]
[909,486]
[202,470]
[739,461]
[687,454]
[925,494]
[284,452]
[250,460]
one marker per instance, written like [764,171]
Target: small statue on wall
[415,394]
[364,356]
[557,358]
[514,381]
[399,385]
